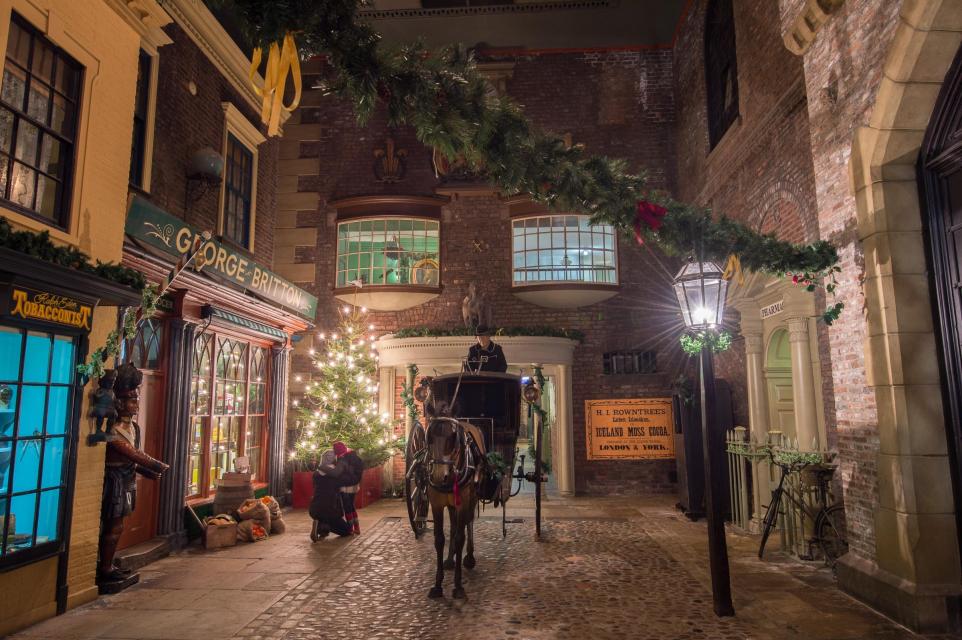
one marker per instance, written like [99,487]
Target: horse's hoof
[459,594]
[469,562]
[448,565]
[436,592]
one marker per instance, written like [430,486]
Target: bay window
[388,251]
[562,249]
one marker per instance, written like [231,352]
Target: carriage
[491,407]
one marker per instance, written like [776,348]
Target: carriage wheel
[537,475]
[416,483]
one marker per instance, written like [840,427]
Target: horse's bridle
[462,457]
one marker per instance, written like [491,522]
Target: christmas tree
[340,399]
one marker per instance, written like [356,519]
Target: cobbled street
[614,568]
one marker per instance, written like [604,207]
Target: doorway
[778,378]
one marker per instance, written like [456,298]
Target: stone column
[803,385]
[277,422]
[565,455]
[173,486]
[757,417]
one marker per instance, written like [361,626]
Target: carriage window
[388,251]
[36,384]
[563,249]
[228,409]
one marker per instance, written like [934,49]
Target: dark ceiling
[530,24]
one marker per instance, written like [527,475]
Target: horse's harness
[461,462]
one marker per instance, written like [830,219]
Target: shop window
[721,69]
[36,393]
[238,169]
[144,351]
[388,251]
[565,248]
[621,362]
[228,409]
[138,153]
[39,98]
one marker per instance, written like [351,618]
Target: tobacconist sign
[157,228]
[635,429]
[44,306]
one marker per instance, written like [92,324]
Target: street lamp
[701,289]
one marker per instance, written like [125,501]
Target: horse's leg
[438,511]
[458,535]
[469,555]
[449,563]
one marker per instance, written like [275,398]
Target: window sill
[565,295]
[387,297]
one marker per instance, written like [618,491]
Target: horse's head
[445,450]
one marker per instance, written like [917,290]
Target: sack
[256,511]
[273,506]
[250,531]
[278,526]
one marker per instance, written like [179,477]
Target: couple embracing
[336,482]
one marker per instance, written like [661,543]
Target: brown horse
[452,462]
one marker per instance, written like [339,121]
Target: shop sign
[159,229]
[635,429]
[773,309]
[49,307]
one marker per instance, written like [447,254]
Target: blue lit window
[36,376]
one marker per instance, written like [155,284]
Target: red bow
[649,214]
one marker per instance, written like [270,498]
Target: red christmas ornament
[650,215]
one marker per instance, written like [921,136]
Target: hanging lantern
[701,289]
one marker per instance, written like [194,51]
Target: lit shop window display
[388,251]
[36,395]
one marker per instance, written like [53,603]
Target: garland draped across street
[444,98]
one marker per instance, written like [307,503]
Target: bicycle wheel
[771,516]
[831,532]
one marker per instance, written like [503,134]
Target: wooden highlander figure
[124,461]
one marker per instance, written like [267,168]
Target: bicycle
[830,532]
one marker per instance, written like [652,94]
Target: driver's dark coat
[496,360]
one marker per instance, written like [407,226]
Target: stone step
[140,555]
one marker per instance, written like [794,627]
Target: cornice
[147,18]
[202,27]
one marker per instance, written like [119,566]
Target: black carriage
[492,406]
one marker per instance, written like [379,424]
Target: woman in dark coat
[326,504]
[348,470]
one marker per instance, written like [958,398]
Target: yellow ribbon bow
[281,60]
[734,269]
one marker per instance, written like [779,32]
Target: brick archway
[915,574]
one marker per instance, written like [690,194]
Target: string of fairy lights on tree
[339,400]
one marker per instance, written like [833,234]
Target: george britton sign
[160,230]
[636,429]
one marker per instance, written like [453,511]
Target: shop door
[146,352]
[778,374]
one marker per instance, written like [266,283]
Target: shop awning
[232,318]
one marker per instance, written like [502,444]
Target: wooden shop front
[219,351]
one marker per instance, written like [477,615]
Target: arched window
[721,72]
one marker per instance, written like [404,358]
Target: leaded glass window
[145,350]
[37,372]
[563,248]
[388,251]
[39,102]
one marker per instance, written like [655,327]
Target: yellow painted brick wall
[107,47]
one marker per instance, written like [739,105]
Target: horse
[453,464]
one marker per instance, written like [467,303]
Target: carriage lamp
[421,393]
[531,393]
[701,291]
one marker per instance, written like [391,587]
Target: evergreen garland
[444,98]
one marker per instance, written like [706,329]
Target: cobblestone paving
[586,579]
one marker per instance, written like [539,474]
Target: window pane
[63,360]
[58,400]
[8,408]
[14,88]
[51,156]
[6,130]
[26,470]
[23,508]
[48,197]
[62,116]
[52,463]
[22,187]
[28,138]
[30,419]
[38,102]
[42,63]
[36,363]
[18,45]
[10,343]
[47,529]
[196,450]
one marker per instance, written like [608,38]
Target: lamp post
[701,291]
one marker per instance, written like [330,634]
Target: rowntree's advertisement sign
[157,228]
[629,429]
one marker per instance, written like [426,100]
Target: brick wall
[199,122]
[615,104]
[843,69]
